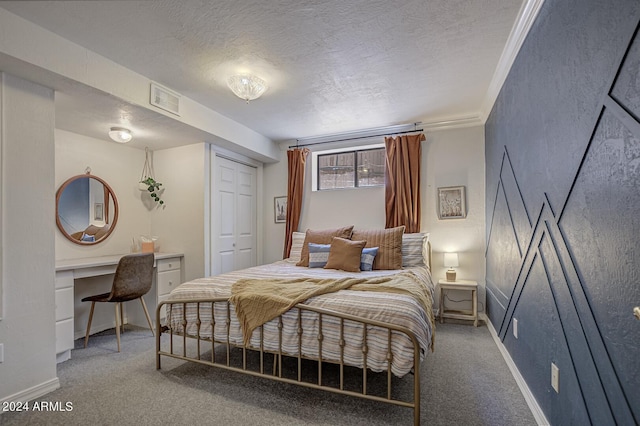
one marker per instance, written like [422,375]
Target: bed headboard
[416,246]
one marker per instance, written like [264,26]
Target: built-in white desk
[168,274]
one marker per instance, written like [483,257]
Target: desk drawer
[167,281]
[64,335]
[64,303]
[168,264]
[64,279]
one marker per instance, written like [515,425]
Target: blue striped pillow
[318,255]
[367,257]
[414,249]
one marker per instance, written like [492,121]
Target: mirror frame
[115,209]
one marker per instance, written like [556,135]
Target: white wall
[275,185]
[120,166]
[36,160]
[27,329]
[180,225]
[450,157]
[455,157]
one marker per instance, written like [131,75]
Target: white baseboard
[63,356]
[526,393]
[33,392]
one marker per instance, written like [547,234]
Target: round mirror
[86,209]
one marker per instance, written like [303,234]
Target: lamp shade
[451,260]
[247,87]
[120,134]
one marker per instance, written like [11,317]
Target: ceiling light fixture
[120,134]
[247,87]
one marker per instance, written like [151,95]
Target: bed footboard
[214,351]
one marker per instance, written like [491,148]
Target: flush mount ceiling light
[120,134]
[247,87]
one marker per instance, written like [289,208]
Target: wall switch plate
[555,377]
[1,353]
[515,328]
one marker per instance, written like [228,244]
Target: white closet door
[234,216]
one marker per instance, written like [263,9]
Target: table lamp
[451,261]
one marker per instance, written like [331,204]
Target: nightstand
[471,286]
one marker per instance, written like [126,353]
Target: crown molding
[452,123]
[524,22]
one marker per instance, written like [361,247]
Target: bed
[379,321]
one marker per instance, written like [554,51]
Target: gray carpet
[464,382]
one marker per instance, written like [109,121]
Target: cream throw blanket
[258,301]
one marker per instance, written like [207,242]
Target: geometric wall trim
[517,209]
[510,220]
[503,254]
[598,380]
[569,270]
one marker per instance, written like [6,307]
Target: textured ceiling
[332,66]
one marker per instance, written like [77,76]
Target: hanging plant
[147,180]
[153,187]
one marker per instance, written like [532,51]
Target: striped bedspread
[398,309]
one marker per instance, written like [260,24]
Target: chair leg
[122,316]
[86,337]
[117,325]
[146,312]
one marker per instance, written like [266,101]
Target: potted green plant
[153,187]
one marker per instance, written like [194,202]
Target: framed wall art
[451,203]
[98,212]
[280,209]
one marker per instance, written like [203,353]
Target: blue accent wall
[563,211]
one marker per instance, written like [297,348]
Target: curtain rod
[355,138]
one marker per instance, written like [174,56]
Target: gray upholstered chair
[132,280]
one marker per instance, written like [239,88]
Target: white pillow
[414,249]
[296,246]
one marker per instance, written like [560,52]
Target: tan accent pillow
[389,243]
[321,237]
[345,254]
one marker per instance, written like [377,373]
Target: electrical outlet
[555,377]
[1,353]
[515,328]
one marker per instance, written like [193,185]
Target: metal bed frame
[204,344]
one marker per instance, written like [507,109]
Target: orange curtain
[402,181]
[295,189]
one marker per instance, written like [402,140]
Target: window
[349,168]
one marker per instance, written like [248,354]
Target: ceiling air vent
[164,98]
